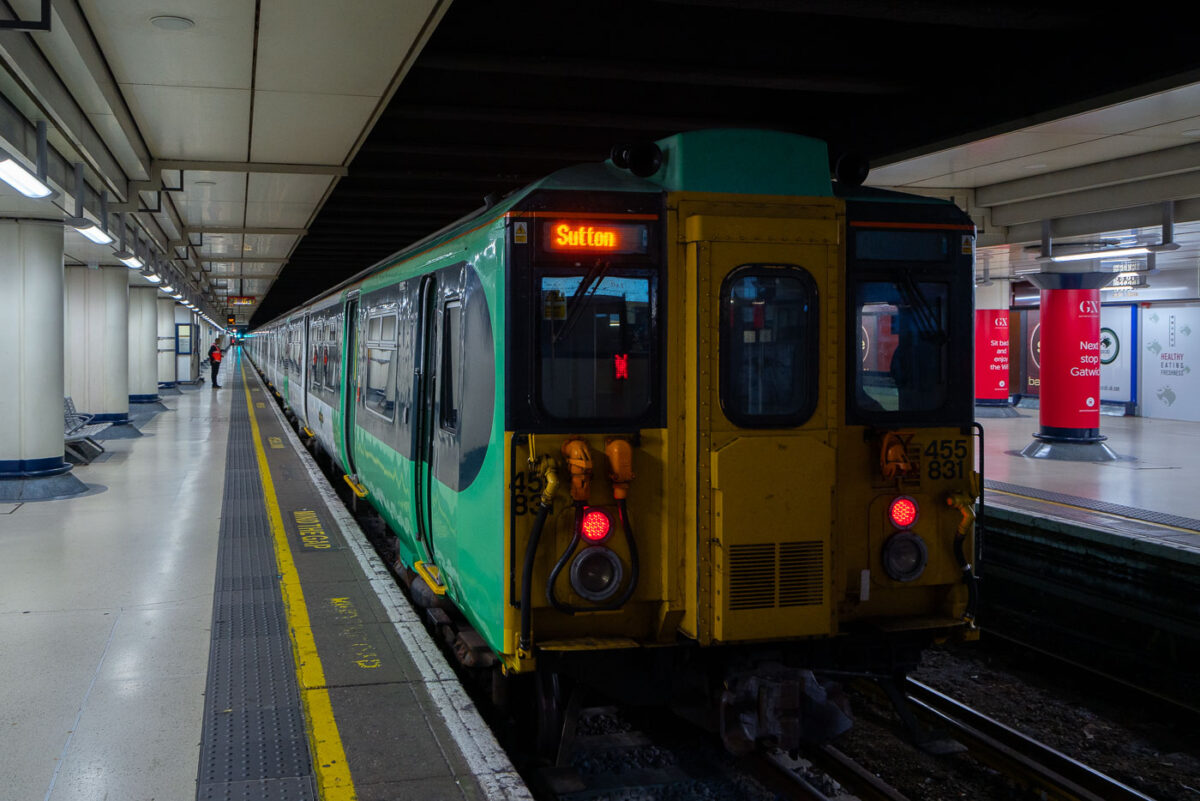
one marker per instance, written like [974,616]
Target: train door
[350,390]
[425,388]
[764,292]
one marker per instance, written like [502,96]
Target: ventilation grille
[768,576]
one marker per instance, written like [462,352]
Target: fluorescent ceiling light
[166,288]
[21,179]
[92,231]
[177,296]
[129,260]
[1102,254]
[151,277]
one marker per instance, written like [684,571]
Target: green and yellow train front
[696,376]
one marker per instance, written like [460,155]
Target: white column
[97,330]
[31,349]
[166,340]
[143,344]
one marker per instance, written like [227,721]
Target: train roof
[727,160]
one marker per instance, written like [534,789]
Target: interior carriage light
[903,512]
[596,525]
[596,573]
[905,556]
[21,179]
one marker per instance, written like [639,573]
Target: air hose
[963,503]
[550,480]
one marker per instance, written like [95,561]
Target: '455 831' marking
[945,459]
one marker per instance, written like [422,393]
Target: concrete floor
[105,611]
[1158,469]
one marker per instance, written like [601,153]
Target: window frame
[380,344]
[811,372]
[641,268]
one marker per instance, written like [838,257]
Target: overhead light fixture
[130,260]
[22,179]
[170,22]
[1101,254]
[178,296]
[166,288]
[92,231]
[151,276]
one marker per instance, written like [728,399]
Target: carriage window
[595,345]
[769,339]
[451,359]
[903,345]
[379,393]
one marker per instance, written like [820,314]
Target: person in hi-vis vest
[214,356]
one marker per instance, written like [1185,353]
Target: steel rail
[1054,773]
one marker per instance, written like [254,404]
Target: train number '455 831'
[945,459]
[525,488]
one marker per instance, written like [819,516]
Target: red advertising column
[991,357]
[1069,408]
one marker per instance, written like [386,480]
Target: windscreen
[903,345]
[595,342]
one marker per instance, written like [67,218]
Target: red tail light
[903,512]
[596,525]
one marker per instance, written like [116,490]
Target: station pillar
[31,362]
[1069,403]
[97,348]
[143,345]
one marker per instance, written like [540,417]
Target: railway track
[1035,765]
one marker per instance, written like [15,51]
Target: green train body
[726,319]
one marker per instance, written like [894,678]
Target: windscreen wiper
[592,279]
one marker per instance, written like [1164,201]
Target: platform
[1149,492]
[209,622]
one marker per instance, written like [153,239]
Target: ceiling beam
[648,72]
[1171,161]
[248,166]
[229,229]
[577,119]
[1183,186]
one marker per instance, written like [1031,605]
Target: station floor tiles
[1157,469]
[107,620]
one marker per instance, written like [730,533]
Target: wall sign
[1170,368]
[991,354]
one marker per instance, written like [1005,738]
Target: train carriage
[696,396]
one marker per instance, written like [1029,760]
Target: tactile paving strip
[254,746]
[1145,515]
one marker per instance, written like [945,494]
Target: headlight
[904,556]
[596,573]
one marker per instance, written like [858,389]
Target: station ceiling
[283,145]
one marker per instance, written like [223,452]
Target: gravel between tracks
[1114,731]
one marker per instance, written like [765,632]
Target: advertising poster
[991,354]
[1070,360]
[1170,363]
[1031,336]
[1118,354]
[1016,336]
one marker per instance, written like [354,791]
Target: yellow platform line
[1092,511]
[325,744]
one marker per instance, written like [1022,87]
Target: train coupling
[776,706]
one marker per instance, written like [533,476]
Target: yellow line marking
[328,755]
[1091,511]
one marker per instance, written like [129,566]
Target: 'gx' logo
[1089,307]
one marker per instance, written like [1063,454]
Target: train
[699,415]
